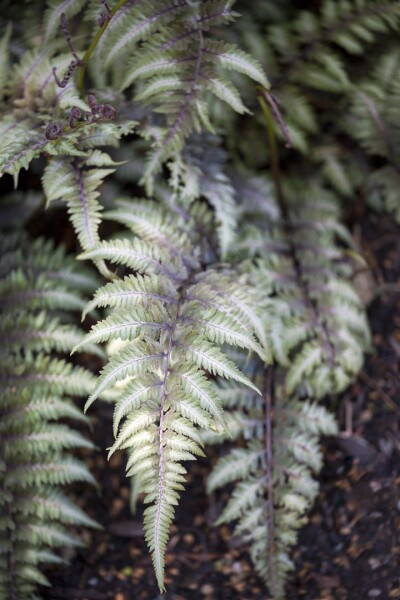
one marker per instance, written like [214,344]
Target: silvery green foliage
[171,75]
[173,311]
[374,121]
[178,66]
[174,74]
[317,326]
[201,171]
[308,55]
[274,472]
[318,334]
[40,288]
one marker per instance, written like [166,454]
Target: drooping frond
[318,334]
[273,476]
[36,393]
[76,182]
[174,317]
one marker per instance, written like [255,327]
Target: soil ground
[349,550]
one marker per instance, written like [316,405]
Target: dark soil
[349,550]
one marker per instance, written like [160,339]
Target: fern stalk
[268,390]
[94,42]
[158,543]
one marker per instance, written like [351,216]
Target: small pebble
[207,589]
[188,538]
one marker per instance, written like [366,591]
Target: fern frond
[200,172]
[374,122]
[53,13]
[132,291]
[76,181]
[319,332]
[273,477]
[35,394]
[42,121]
[163,314]
[175,72]
[309,56]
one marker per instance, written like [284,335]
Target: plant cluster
[227,304]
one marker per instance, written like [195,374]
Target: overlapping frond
[319,331]
[310,48]
[178,69]
[309,55]
[42,119]
[37,103]
[201,172]
[36,393]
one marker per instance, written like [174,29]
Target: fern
[100,98]
[53,14]
[76,181]
[36,390]
[69,130]
[309,55]
[314,76]
[319,332]
[43,120]
[201,172]
[173,315]
[310,41]
[178,67]
[273,475]
[374,123]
